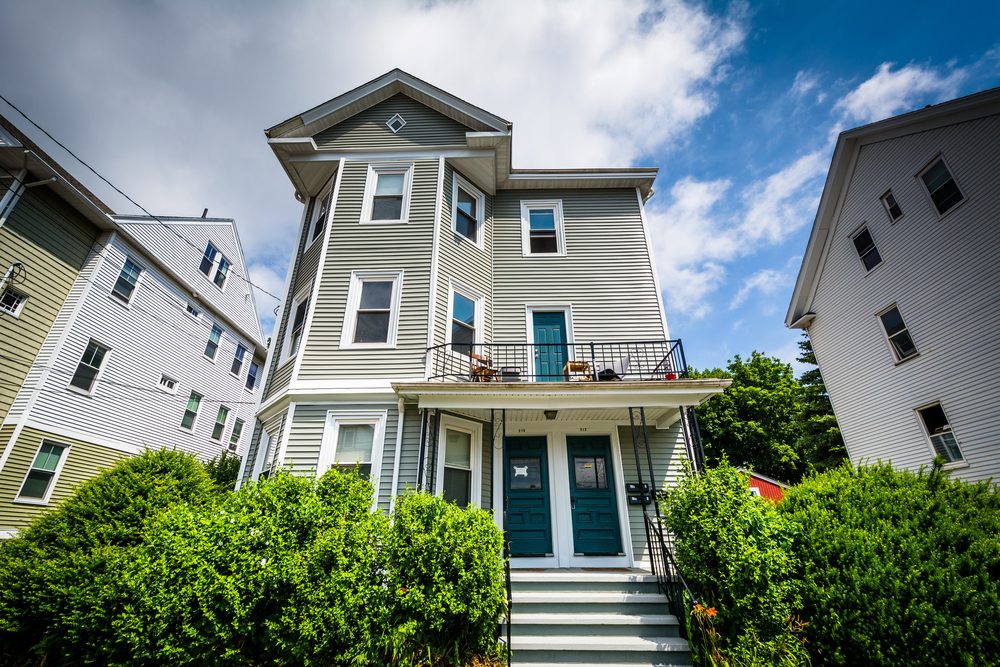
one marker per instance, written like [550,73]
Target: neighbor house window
[320,214]
[168,384]
[208,260]
[464,322]
[212,346]
[215,265]
[191,411]
[299,312]
[252,375]
[458,472]
[41,477]
[221,273]
[353,440]
[192,311]
[892,206]
[387,193]
[867,251]
[542,228]
[897,333]
[89,367]
[939,431]
[12,302]
[467,210]
[373,307]
[238,359]
[128,278]
[220,422]
[234,437]
[941,186]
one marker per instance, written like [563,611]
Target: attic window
[396,123]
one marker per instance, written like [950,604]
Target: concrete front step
[595,602]
[624,582]
[575,650]
[594,625]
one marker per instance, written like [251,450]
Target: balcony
[634,361]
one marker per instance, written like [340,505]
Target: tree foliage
[224,469]
[819,441]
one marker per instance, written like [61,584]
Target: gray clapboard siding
[667,449]
[53,242]
[275,427]
[410,450]
[424,127]
[373,247]
[464,263]
[944,275]
[150,336]
[606,275]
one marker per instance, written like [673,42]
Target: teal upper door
[593,503]
[550,346]
[529,519]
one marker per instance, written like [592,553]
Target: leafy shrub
[898,568]
[734,549]
[224,469]
[57,573]
[445,580]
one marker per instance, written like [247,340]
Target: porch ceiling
[538,396]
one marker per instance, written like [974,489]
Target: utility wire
[132,201]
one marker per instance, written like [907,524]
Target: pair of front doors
[593,505]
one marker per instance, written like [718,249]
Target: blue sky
[737,104]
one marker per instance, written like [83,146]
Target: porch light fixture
[551,414]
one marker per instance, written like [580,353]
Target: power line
[132,201]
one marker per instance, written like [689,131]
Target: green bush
[446,581]
[59,571]
[898,568]
[224,469]
[734,550]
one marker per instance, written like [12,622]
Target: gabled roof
[849,143]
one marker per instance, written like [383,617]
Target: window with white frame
[320,212]
[168,384]
[465,329]
[353,440]
[128,278]
[12,301]
[387,193]
[234,437]
[468,210]
[865,245]
[897,333]
[215,265]
[300,308]
[89,367]
[891,206]
[212,346]
[193,311]
[238,359]
[542,228]
[372,309]
[252,373]
[41,478]
[191,411]
[220,423]
[460,462]
[939,431]
[941,186]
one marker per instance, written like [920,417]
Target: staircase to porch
[583,617]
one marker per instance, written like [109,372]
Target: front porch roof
[540,396]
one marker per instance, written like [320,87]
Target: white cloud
[889,92]
[765,281]
[266,277]
[805,82]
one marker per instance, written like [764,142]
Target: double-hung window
[939,431]
[299,311]
[212,346]
[234,437]
[542,228]
[252,375]
[941,186]
[865,245]
[191,411]
[387,193]
[208,259]
[320,213]
[214,265]
[353,440]
[460,462]
[238,359]
[221,273]
[465,317]
[41,477]
[12,302]
[220,423]
[128,278]
[468,205]
[897,333]
[891,206]
[373,308]
[89,367]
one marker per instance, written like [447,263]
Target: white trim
[885,334]
[100,369]
[286,432]
[475,430]
[652,264]
[52,482]
[478,335]
[135,288]
[389,123]
[304,295]
[331,429]
[197,412]
[885,206]
[327,191]
[261,454]
[457,183]
[358,278]
[404,168]
[366,154]
[12,196]
[862,228]
[957,463]
[927,193]
[400,421]
[527,205]
[435,250]
[225,423]
[83,436]
[566,309]
[166,390]
[218,344]
[22,299]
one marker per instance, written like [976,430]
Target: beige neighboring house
[118,334]
[899,288]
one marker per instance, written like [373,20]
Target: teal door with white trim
[529,515]
[593,503]
[550,351]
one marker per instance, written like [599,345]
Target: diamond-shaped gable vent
[396,123]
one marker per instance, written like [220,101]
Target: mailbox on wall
[638,494]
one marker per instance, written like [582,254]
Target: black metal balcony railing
[557,362]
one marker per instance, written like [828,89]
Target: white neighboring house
[899,288]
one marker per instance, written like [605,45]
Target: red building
[765,487]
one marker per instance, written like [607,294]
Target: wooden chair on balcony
[481,369]
[578,371]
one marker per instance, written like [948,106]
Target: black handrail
[668,576]
[557,362]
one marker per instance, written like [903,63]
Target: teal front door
[592,496]
[529,519]
[550,346]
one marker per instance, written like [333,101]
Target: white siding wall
[944,276]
